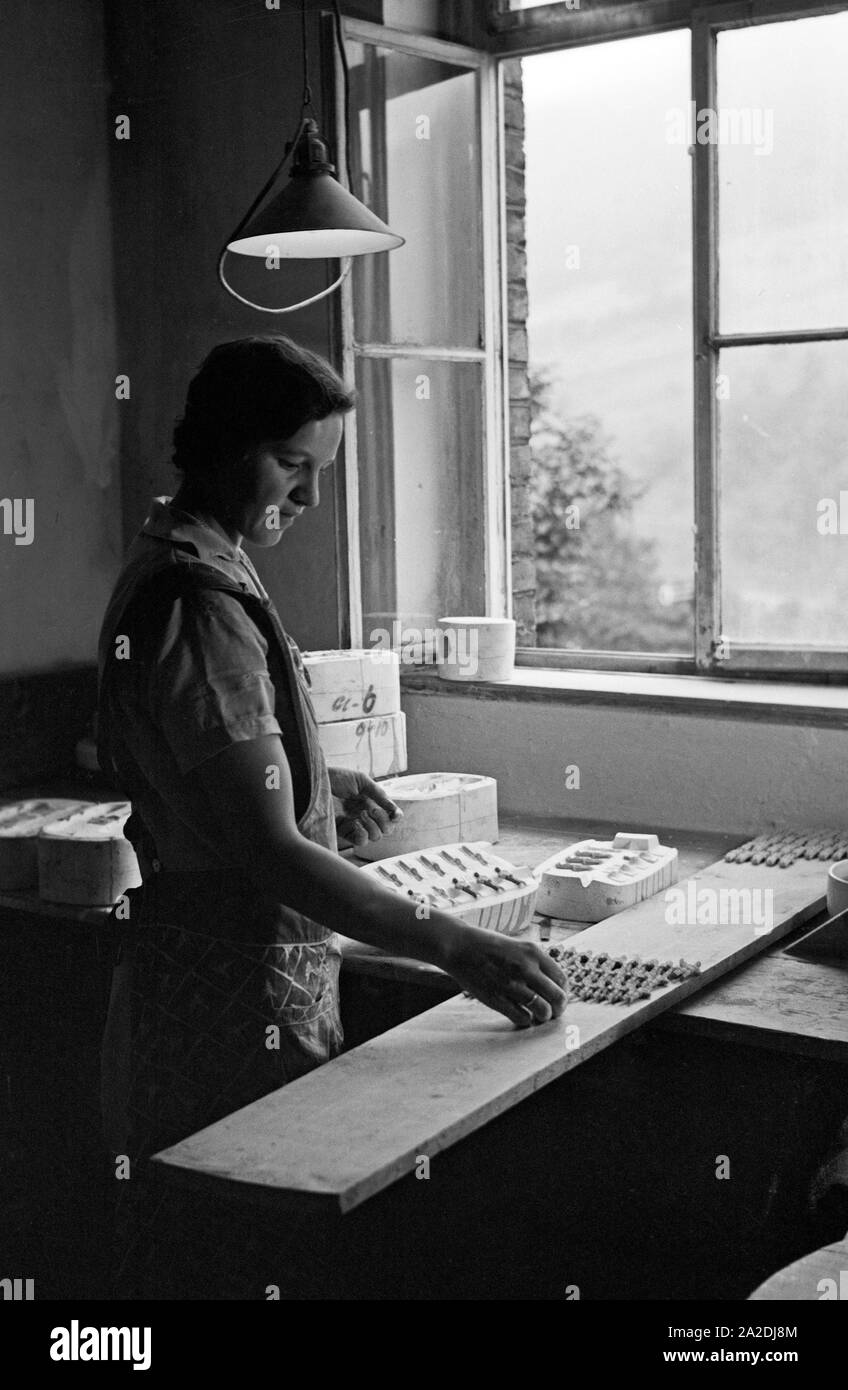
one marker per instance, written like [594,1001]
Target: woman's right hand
[516,978]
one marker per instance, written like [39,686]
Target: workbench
[631,1125]
[774,1001]
[658,1103]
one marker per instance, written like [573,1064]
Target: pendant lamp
[312,217]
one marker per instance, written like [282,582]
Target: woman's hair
[250,390]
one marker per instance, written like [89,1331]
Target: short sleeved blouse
[207,685]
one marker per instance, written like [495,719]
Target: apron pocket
[301,982]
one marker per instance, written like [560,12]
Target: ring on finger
[528,1003]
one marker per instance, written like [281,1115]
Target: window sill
[786,703]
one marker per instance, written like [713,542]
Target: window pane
[783,175]
[609,283]
[782,454]
[416,163]
[422,521]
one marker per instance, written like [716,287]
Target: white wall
[637,766]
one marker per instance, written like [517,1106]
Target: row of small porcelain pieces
[473,882]
[785,847]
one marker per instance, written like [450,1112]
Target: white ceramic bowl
[837,887]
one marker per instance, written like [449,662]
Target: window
[782,393]
[745,123]
[602,385]
[609,282]
[422,339]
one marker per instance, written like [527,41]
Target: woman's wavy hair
[250,390]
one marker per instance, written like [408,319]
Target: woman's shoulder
[177,602]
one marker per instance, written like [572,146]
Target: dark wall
[212,92]
[58,412]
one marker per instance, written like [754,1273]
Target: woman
[227,985]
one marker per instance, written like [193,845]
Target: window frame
[489,352]
[763,657]
[518,33]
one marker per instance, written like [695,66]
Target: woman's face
[278,478]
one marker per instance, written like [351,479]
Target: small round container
[476,649]
[837,887]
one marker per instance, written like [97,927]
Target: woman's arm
[259,832]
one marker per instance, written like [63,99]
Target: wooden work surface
[774,1001]
[438,1077]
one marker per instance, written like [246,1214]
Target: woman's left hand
[363,811]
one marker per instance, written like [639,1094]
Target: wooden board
[352,1127]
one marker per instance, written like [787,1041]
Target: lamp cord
[286,308]
[307,89]
[337,30]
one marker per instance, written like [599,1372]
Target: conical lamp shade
[313,217]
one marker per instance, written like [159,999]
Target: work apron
[220,994]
